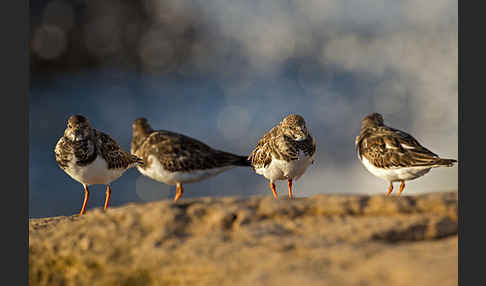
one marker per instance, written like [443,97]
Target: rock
[322,240]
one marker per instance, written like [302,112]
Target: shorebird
[176,159]
[91,157]
[394,155]
[284,152]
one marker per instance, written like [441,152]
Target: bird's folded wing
[392,148]
[112,152]
[63,152]
[180,153]
[261,156]
[276,145]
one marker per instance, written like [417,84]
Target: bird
[91,157]
[284,152]
[394,155]
[177,159]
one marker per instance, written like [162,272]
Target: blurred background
[226,71]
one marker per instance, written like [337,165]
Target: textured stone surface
[322,240]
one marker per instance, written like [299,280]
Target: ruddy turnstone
[284,152]
[392,154]
[176,159]
[91,157]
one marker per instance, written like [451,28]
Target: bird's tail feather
[242,161]
[443,163]
[446,162]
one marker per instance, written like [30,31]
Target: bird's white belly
[283,170]
[395,174]
[157,172]
[96,172]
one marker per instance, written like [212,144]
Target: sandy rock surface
[322,240]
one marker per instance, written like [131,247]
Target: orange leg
[402,186]
[108,195]
[290,189]
[390,189]
[272,186]
[86,197]
[179,191]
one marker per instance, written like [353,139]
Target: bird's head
[293,126]
[140,130]
[78,128]
[141,127]
[372,120]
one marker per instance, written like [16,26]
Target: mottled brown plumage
[174,158]
[386,147]
[83,152]
[177,152]
[90,156]
[112,152]
[392,154]
[93,143]
[284,152]
[280,143]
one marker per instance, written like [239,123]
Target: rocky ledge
[321,240]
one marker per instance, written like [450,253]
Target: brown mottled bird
[284,152]
[91,157]
[392,154]
[176,159]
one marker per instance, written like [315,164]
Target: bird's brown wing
[274,144]
[386,147]
[109,149]
[261,156]
[64,153]
[180,153]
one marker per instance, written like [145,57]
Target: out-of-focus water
[236,69]
[231,116]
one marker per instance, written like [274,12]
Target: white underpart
[96,172]
[396,174]
[157,172]
[283,170]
